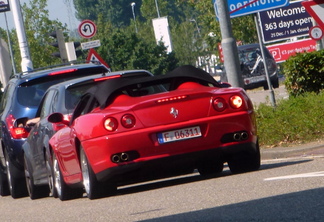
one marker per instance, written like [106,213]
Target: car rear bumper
[258,81]
[173,165]
[143,145]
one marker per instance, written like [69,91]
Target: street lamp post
[134,17]
[157,8]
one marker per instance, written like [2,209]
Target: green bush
[304,72]
[295,120]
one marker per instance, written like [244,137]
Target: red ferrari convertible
[127,130]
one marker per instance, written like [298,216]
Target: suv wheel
[4,188]
[16,180]
[275,83]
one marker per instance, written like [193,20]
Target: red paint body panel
[151,118]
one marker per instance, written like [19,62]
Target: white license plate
[180,134]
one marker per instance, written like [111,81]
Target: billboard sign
[281,52]
[162,32]
[285,23]
[245,7]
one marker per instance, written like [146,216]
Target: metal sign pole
[272,96]
[230,51]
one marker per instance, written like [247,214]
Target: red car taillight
[128,121]
[62,72]
[236,102]
[219,104]
[16,132]
[111,124]
[106,77]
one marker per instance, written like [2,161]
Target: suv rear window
[30,93]
[251,58]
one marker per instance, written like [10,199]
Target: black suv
[21,98]
[252,67]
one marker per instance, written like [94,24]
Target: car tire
[275,83]
[16,180]
[50,177]
[210,168]
[34,191]
[265,86]
[93,188]
[64,192]
[245,163]
[4,187]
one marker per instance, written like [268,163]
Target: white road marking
[303,175]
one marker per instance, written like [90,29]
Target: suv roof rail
[18,75]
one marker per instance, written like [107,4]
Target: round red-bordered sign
[316,33]
[87,29]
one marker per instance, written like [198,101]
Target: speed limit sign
[87,29]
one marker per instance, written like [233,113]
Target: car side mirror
[225,85]
[20,122]
[56,118]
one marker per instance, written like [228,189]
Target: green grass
[294,121]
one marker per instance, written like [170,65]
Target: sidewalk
[307,149]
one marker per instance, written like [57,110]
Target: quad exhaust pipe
[239,136]
[235,137]
[120,157]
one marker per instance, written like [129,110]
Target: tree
[175,10]
[243,27]
[117,12]
[186,44]
[124,49]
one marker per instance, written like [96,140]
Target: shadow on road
[189,178]
[298,206]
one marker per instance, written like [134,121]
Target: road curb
[315,148]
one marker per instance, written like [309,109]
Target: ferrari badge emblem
[174,112]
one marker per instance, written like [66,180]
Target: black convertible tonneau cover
[104,91]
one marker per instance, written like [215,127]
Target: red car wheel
[92,186]
[64,192]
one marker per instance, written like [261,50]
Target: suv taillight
[17,132]
[62,72]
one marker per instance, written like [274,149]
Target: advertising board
[162,32]
[281,52]
[285,23]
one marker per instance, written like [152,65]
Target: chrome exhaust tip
[124,156]
[237,136]
[115,158]
[244,135]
